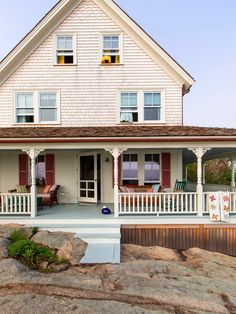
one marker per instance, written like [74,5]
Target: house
[92,103]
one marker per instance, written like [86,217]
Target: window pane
[130,166]
[148,99]
[60,43]
[156,99]
[25,119]
[48,100]
[151,114]
[68,43]
[24,101]
[124,100]
[40,169]
[48,115]
[152,168]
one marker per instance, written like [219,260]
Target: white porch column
[232,174]
[204,174]
[199,152]
[116,152]
[33,153]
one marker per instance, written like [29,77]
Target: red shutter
[119,171]
[23,169]
[50,169]
[166,174]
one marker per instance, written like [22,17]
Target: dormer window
[111,49]
[65,50]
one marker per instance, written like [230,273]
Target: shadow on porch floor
[75,211]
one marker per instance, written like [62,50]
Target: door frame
[87,199]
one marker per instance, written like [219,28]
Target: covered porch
[79,192]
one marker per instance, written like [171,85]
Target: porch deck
[68,216]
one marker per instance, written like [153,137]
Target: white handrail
[137,203]
[15,203]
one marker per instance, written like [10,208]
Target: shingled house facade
[89,102]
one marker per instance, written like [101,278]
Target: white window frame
[15,106]
[160,165]
[74,41]
[131,179]
[121,48]
[162,107]
[138,101]
[141,95]
[36,105]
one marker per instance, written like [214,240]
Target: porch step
[99,253]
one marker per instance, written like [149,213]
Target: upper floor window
[48,107]
[152,106]
[37,107]
[142,107]
[111,49]
[65,49]
[129,107]
[24,108]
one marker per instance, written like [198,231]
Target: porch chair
[49,195]
[180,186]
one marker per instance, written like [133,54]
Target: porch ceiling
[188,155]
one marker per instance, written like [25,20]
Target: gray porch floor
[75,211]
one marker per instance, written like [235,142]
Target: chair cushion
[149,190]
[21,189]
[53,188]
[47,189]
[123,189]
[156,188]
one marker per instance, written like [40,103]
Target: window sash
[151,168]
[130,166]
[48,107]
[64,50]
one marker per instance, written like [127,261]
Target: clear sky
[199,34]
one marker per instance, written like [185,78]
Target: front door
[88,178]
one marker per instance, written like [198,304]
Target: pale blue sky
[199,34]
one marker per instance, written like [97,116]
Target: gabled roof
[62,9]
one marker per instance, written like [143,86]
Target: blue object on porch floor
[106,210]
[102,253]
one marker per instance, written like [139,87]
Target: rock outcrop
[132,252]
[202,282]
[65,244]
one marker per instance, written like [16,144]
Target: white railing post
[199,152]
[33,153]
[116,152]
[232,174]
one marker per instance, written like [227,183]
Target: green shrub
[18,235]
[35,229]
[31,254]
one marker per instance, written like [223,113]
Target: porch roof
[185,133]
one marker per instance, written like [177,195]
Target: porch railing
[157,203]
[232,203]
[15,204]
